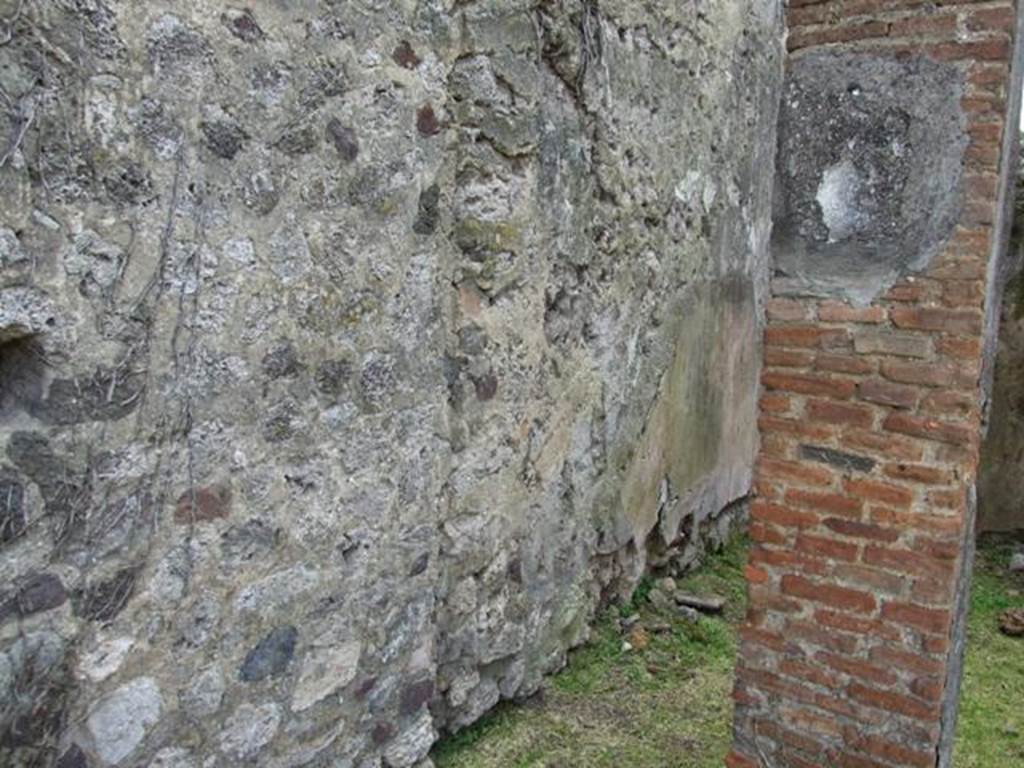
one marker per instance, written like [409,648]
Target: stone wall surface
[889,257]
[351,352]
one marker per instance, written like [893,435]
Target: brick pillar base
[874,384]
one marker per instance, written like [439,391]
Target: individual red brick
[833,503]
[787,358]
[903,659]
[785,517]
[775,402]
[979,50]
[925,374]
[827,638]
[963,293]
[835,363]
[991,19]
[929,429]
[856,624]
[806,336]
[893,702]
[887,445]
[886,493]
[960,348]
[918,473]
[841,598]
[802,38]
[964,322]
[906,561]
[787,310]
[936,525]
[846,414]
[927,688]
[930,592]
[808,15]
[765,534]
[983,157]
[807,384]
[838,312]
[985,132]
[820,546]
[957,404]
[954,499]
[809,720]
[778,446]
[793,745]
[940,549]
[923,26]
[812,673]
[788,560]
[859,530]
[738,760]
[975,212]
[892,752]
[799,429]
[771,640]
[755,575]
[888,342]
[795,472]
[982,73]
[919,617]
[887,393]
[870,578]
[985,185]
[909,291]
[857,668]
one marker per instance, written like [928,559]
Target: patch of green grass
[991,726]
[666,706]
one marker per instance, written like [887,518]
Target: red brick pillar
[871,419]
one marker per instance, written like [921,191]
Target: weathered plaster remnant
[351,353]
[869,173]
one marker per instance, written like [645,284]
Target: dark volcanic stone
[415,696]
[840,459]
[405,56]
[426,121]
[429,212]
[281,361]
[344,139]
[38,592]
[13,517]
[332,376]
[73,757]
[105,600]
[225,139]
[271,656]
[300,140]
[242,25]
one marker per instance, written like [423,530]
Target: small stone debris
[660,600]
[1017,562]
[626,646]
[688,614]
[713,605]
[630,621]
[638,638]
[667,584]
[1011,622]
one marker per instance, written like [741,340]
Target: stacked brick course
[871,419]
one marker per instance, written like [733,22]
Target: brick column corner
[871,418]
